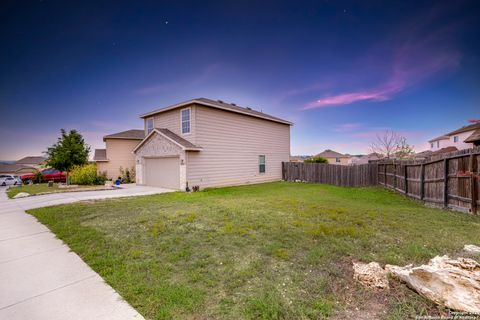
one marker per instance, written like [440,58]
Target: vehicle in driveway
[10,180]
[47,175]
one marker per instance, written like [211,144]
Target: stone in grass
[453,283]
[471,248]
[21,195]
[370,275]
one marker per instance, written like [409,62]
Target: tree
[390,143]
[69,151]
[316,160]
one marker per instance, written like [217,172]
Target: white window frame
[431,145]
[264,163]
[337,159]
[189,121]
[153,125]
[455,139]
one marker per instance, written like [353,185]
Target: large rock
[370,275]
[471,248]
[21,195]
[453,283]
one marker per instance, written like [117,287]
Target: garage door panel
[163,172]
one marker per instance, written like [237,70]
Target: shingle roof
[133,134]
[465,128]
[444,150]
[475,136]
[331,154]
[100,155]
[439,138]
[32,160]
[184,143]
[14,167]
[219,104]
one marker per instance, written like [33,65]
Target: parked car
[10,180]
[47,175]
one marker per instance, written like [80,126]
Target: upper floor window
[438,144]
[261,164]
[149,125]
[455,139]
[431,145]
[337,159]
[185,120]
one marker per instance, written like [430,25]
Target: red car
[47,175]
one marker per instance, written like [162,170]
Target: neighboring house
[464,138]
[298,158]
[32,161]
[17,169]
[334,157]
[208,143]
[363,159]
[118,153]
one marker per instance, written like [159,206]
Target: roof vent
[233,104]
[221,101]
[248,108]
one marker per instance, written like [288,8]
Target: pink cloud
[415,59]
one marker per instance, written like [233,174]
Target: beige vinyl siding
[232,144]
[171,120]
[119,154]
[343,161]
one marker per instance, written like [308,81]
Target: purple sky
[340,70]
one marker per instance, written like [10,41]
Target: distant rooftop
[36,160]
[133,134]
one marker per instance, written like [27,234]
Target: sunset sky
[340,70]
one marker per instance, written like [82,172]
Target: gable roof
[219,104]
[100,155]
[176,139]
[32,160]
[475,136]
[133,134]
[331,154]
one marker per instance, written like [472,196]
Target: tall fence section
[346,176]
[451,180]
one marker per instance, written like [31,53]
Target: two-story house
[333,157]
[464,138]
[208,143]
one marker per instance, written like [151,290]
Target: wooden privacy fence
[346,176]
[451,181]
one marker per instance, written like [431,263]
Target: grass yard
[42,188]
[268,251]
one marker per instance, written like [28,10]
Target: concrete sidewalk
[40,278]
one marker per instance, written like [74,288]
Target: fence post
[445,182]
[422,183]
[385,175]
[406,179]
[473,183]
[394,175]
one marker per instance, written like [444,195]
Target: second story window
[185,120]
[455,139]
[438,144]
[431,145]
[149,125]
[337,159]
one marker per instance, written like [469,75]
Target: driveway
[40,278]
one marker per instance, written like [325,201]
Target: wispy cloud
[417,56]
[348,127]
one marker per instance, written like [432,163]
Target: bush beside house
[87,175]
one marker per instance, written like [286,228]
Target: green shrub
[127,175]
[316,160]
[87,175]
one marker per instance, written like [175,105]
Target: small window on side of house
[431,145]
[185,114]
[438,144]
[455,139]
[261,164]
[337,159]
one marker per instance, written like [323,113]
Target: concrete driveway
[40,278]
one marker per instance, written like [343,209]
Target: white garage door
[163,172]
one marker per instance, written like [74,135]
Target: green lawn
[32,189]
[268,251]
[35,189]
